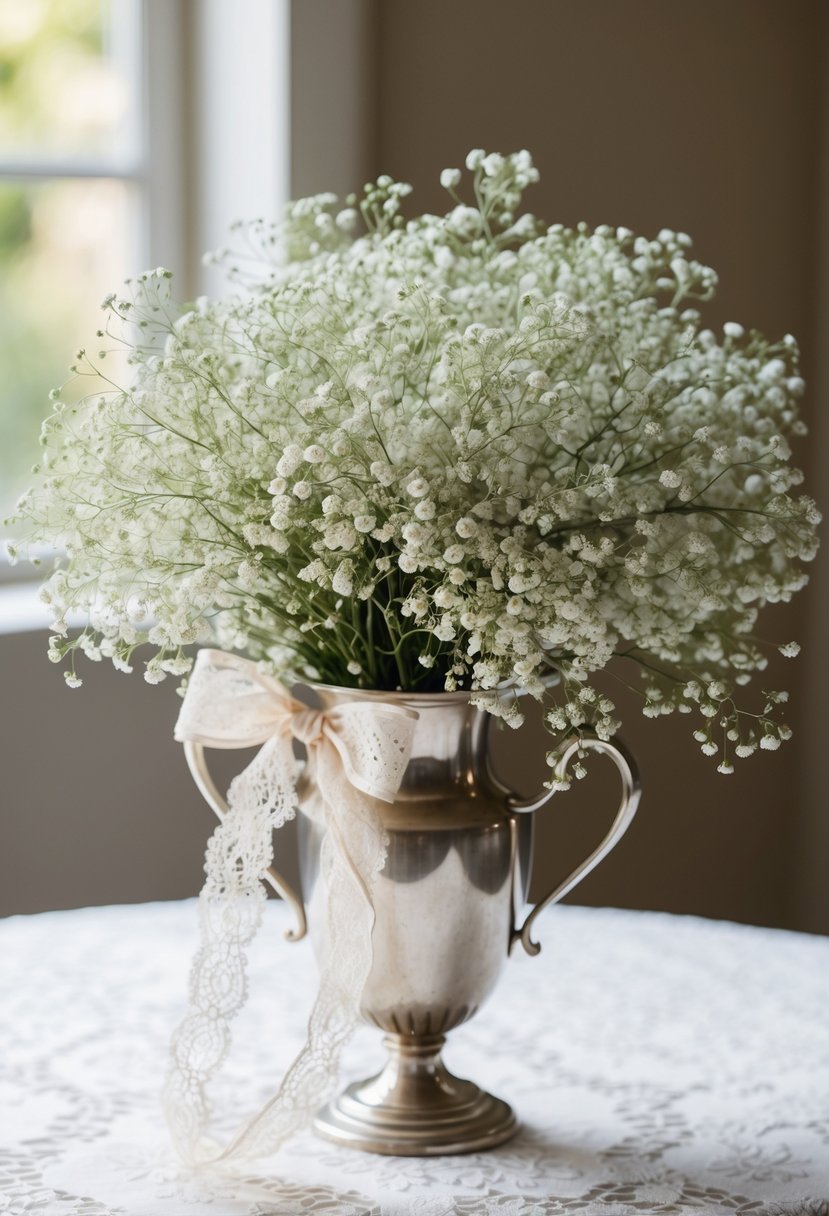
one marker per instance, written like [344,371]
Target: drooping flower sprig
[464,451]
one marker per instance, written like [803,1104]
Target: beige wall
[706,117]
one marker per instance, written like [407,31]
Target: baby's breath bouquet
[465,451]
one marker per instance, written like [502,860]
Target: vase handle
[631,792]
[194,753]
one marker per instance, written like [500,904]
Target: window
[132,133]
[72,197]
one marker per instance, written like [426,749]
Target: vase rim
[460,697]
[379,695]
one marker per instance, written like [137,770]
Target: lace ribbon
[356,752]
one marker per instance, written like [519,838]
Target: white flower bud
[382,472]
[492,164]
[343,581]
[289,461]
[346,220]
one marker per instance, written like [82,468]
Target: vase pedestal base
[416,1108]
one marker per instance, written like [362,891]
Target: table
[659,1064]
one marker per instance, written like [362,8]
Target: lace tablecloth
[658,1064]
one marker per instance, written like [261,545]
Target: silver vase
[448,910]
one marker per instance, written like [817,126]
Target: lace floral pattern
[660,1065]
[355,750]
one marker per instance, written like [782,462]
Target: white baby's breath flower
[450,178]
[414,533]
[343,579]
[524,452]
[492,164]
[339,535]
[346,219]
[382,472]
[289,461]
[538,380]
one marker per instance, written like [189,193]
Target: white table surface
[658,1064]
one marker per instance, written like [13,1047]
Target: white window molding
[240,139]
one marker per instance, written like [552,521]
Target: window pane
[63,246]
[68,77]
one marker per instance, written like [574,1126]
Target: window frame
[152,165]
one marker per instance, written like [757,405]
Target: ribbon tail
[261,798]
[353,854]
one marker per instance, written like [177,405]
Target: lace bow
[356,752]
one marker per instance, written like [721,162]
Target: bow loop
[230,703]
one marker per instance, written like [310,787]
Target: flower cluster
[454,452]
